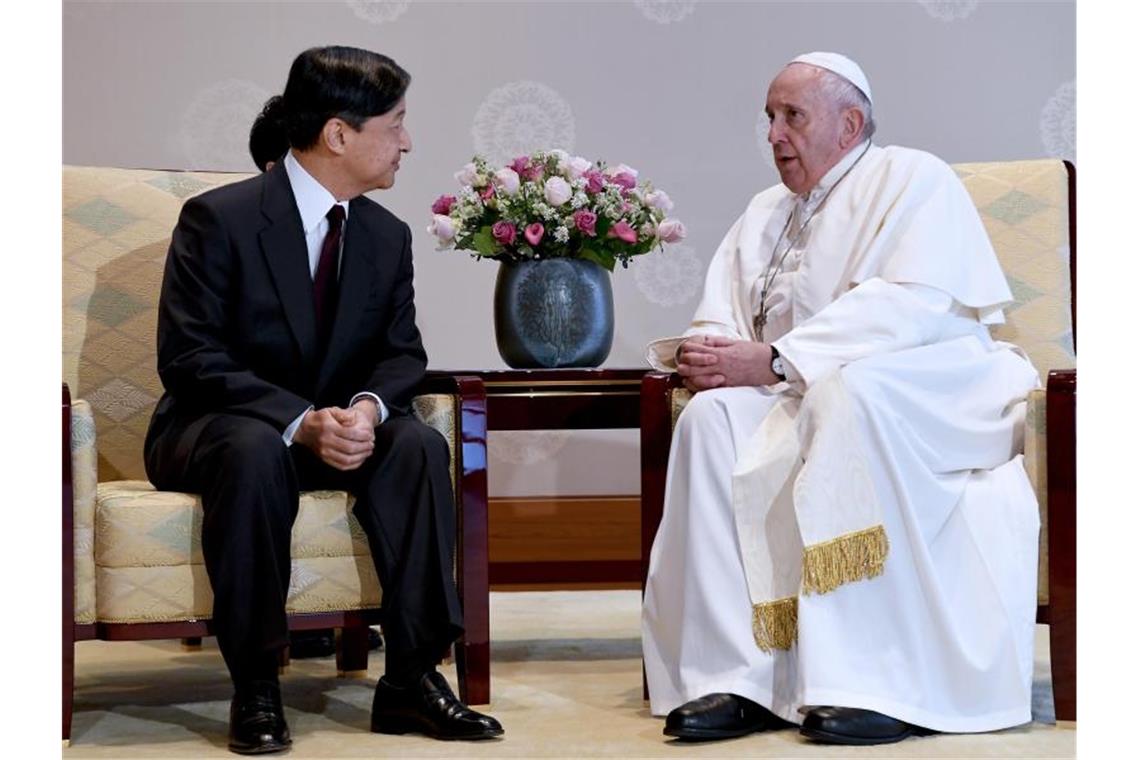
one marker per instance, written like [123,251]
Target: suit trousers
[250,483]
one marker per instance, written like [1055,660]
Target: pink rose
[557,191]
[585,221]
[533,233]
[670,231]
[504,232]
[443,204]
[526,169]
[442,227]
[625,180]
[622,231]
[595,181]
[486,193]
[613,171]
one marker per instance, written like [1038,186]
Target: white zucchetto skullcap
[841,65]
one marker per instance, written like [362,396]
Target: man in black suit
[288,350]
[268,143]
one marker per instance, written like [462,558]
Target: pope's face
[804,128]
[374,151]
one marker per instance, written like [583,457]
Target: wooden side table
[562,399]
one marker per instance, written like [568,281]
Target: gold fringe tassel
[851,557]
[774,624]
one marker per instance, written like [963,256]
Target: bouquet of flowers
[552,205]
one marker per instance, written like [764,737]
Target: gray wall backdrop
[674,88]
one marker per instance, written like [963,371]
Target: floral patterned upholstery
[1024,207]
[137,550]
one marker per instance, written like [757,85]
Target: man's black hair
[267,138]
[336,81]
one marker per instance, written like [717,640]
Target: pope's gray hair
[846,95]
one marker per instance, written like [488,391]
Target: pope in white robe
[849,540]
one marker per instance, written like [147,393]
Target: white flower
[579,200]
[557,191]
[577,166]
[508,179]
[442,227]
[658,199]
[561,234]
[561,155]
[467,175]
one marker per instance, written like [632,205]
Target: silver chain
[761,319]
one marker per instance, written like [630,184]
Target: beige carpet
[566,682]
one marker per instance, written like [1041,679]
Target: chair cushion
[149,567]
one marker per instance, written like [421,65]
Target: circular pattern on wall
[377,11]
[669,278]
[524,446]
[949,10]
[520,118]
[1059,122]
[665,11]
[214,133]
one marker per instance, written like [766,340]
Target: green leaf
[603,258]
[484,241]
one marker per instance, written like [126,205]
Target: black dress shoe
[851,725]
[257,721]
[429,707]
[720,716]
[304,645]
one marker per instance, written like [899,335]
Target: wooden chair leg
[68,683]
[352,651]
[1061,452]
[473,664]
[191,643]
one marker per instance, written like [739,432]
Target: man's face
[373,153]
[804,128]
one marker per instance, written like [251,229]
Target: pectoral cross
[758,323]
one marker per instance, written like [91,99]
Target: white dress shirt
[313,203]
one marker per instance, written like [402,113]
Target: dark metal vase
[553,313]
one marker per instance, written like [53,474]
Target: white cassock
[864,535]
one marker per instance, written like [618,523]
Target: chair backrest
[1026,209]
[116,231]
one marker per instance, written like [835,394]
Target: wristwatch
[778,364]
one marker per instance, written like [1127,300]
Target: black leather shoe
[851,725]
[304,645]
[720,716]
[429,707]
[257,721]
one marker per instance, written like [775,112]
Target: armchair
[1029,210]
[132,561]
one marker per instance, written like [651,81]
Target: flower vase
[553,313]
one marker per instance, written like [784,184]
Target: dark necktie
[325,280]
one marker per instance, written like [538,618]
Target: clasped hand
[342,438]
[713,361]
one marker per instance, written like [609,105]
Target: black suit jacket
[236,326]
